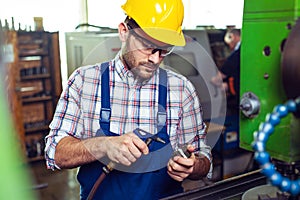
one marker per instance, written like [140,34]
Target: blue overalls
[148,181]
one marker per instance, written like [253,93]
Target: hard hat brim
[166,36]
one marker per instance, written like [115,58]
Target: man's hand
[180,168]
[195,167]
[125,149]
[217,81]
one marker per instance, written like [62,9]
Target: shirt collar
[121,69]
[126,75]
[237,46]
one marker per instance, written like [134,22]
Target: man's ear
[228,38]
[123,31]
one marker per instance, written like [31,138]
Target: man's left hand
[180,168]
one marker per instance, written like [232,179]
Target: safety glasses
[147,47]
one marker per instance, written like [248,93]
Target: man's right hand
[125,149]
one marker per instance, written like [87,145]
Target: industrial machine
[265,32]
[270,105]
[270,72]
[90,47]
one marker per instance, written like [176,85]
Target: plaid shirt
[133,106]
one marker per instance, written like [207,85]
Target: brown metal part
[290,63]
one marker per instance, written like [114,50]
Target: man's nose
[155,57]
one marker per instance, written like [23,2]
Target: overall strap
[162,101]
[105,112]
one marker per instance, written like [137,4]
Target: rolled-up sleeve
[66,120]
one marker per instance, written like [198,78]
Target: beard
[142,70]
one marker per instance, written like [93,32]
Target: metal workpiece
[182,151]
[149,137]
[249,105]
[290,64]
[139,132]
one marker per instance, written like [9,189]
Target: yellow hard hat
[160,19]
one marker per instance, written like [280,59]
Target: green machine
[270,90]
[267,25]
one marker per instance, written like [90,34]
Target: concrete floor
[54,185]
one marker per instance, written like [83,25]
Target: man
[231,67]
[229,76]
[108,112]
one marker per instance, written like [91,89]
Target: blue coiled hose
[262,156]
